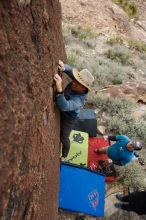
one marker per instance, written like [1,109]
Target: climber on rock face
[121,152]
[71,100]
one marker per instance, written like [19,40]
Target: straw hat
[84,77]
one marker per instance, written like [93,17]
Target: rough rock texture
[31,44]
[106,17]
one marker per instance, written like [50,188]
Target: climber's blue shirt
[118,151]
[70,102]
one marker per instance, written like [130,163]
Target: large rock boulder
[31,44]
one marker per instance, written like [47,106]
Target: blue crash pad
[81,190]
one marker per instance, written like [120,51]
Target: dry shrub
[132,175]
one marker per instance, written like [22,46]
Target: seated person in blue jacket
[121,152]
[71,100]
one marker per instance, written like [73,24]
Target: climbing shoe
[119,197]
[80,218]
[118,205]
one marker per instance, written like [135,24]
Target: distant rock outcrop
[133,90]
[31,44]
[106,17]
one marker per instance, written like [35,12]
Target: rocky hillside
[106,17]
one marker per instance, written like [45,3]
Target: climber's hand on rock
[61,65]
[58,82]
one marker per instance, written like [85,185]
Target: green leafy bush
[119,56]
[99,100]
[75,59]
[108,72]
[116,115]
[72,59]
[129,7]
[132,176]
[144,116]
[137,45]
[121,121]
[116,40]
[127,125]
[121,106]
[82,33]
